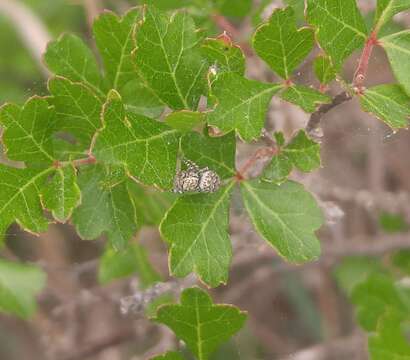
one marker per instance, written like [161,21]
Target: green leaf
[106,206]
[166,4]
[28,130]
[401,260]
[217,153]
[278,169]
[389,103]
[196,227]
[303,152]
[305,97]
[168,58]
[71,58]
[119,264]
[279,138]
[114,38]
[185,120]
[259,11]
[354,270]
[299,8]
[280,44]
[78,109]
[393,223]
[19,284]
[286,216]
[234,8]
[386,9]
[389,341]
[150,204]
[224,54]
[147,148]
[373,297]
[20,198]
[324,69]
[202,325]
[340,28]
[140,99]
[242,104]
[170,355]
[397,47]
[61,194]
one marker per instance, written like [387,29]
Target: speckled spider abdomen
[194,179]
[209,181]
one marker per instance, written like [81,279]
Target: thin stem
[361,71]
[227,27]
[260,153]
[87,161]
[76,163]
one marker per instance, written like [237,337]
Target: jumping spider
[194,179]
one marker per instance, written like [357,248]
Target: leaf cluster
[103,148]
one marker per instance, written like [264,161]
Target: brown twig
[332,254]
[95,348]
[316,117]
[348,346]
[92,8]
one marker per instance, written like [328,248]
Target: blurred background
[295,312]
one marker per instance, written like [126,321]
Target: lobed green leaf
[28,132]
[106,205]
[301,152]
[286,216]
[147,148]
[354,270]
[217,153]
[324,69]
[389,342]
[202,325]
[71,58]
[386,9]
[340,28]
[242,104]
[280,44]
[278,169]
[389,103]
[196,227]
[373,297]
[150,204]
[168,58]
[77,108]
[222,53]
[20,198]
[19,284]
[397,47]
[114,36]
[305,97]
